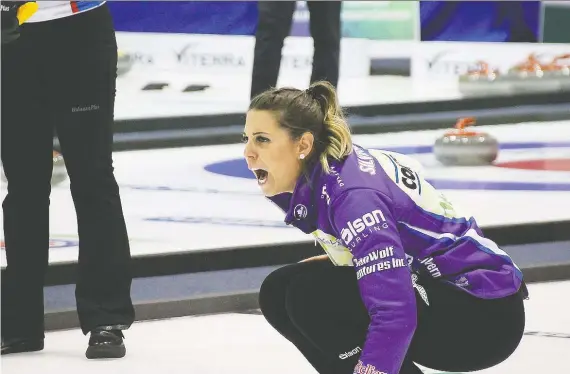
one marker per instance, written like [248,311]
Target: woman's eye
[244,139]
[262,139]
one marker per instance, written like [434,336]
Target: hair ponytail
[336,132]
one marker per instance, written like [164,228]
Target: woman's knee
[272,285]
[273,295]
[276,283]
[327,289]
[273,291]
[275,287]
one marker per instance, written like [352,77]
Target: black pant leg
[325,28]
[27,163]
[273,26]
[84,76]
[324,304]
[272,302]
[458,332]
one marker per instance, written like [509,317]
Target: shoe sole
[105,352]
[22,348]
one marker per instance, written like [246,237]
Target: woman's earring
[302,156]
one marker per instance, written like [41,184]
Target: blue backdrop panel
[480,21]
[191,17]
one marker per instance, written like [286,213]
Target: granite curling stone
[533,75]
[559,70]
[461,147]
[59,171]
[483,80]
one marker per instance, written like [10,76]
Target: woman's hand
[314,258]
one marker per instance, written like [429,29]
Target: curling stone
[483,81]
[559,70]
[530,76]
[59,172]
[460,147]
[124,63]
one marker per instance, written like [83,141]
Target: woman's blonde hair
[315,110]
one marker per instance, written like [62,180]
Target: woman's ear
[306,143]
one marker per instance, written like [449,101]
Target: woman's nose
[248,152]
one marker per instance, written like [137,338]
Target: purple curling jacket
[375,212]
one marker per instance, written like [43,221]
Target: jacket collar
[299,206]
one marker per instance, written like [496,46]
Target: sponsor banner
[448,60]
[231,55]
[375,20]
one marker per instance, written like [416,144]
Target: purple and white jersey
[377,213]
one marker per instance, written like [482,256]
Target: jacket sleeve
[15,13]
[364,221]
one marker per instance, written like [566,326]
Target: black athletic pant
[274,25]
[60,75]
[318,308]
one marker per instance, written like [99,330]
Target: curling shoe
[106,342]
[21,345]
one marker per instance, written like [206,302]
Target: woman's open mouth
[261,176]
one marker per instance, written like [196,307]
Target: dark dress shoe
[105,344]
[19,345]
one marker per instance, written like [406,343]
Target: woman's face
[271,154]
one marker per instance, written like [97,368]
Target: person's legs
[325,306]
[273,26]
[84,111]
[325,25]
[27,164]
